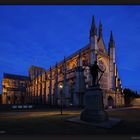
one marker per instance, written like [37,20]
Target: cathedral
[67,81]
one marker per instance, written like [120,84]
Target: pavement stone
[106,124]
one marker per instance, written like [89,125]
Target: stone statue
[94,70]
[93,99]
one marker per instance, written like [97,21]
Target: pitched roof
[15,77]
[72,55]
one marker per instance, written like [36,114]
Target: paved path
[51,122]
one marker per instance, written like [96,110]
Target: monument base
[93,116]
[94,108]
[111,122]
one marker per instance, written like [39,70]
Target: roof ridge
[72,55]
[15,76]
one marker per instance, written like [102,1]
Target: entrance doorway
[110,102]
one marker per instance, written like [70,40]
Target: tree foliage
[129,95]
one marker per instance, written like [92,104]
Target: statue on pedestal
[94,107]
[94,70]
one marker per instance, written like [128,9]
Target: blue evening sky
[42,35]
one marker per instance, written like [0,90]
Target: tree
[129,95]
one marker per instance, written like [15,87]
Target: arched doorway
[110,102]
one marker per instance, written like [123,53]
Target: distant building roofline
[33,66]
[14,76]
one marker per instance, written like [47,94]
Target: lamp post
[61,87]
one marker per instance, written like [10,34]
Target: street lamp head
[61,86]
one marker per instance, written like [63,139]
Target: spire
[50,72]
[56,70]
[111,47]
[56,65]
[100,29]
[79,58]
[50,68]
[111,36]
[111,42]
[64,62]
[80,53]
[64,59]
[93,29]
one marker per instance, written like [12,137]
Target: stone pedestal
[94,108]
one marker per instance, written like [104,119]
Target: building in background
[68,79]
[14,89]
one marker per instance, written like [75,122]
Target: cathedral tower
[100,30]
[93,42]
[111,48]
[111,53]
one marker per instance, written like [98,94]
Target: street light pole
[61,87]
[61,104]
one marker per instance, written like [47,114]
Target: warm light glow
[61,86]
[4,90]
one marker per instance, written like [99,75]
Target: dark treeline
[129,95]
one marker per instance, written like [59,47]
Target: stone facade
[74,75]
[14,89]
